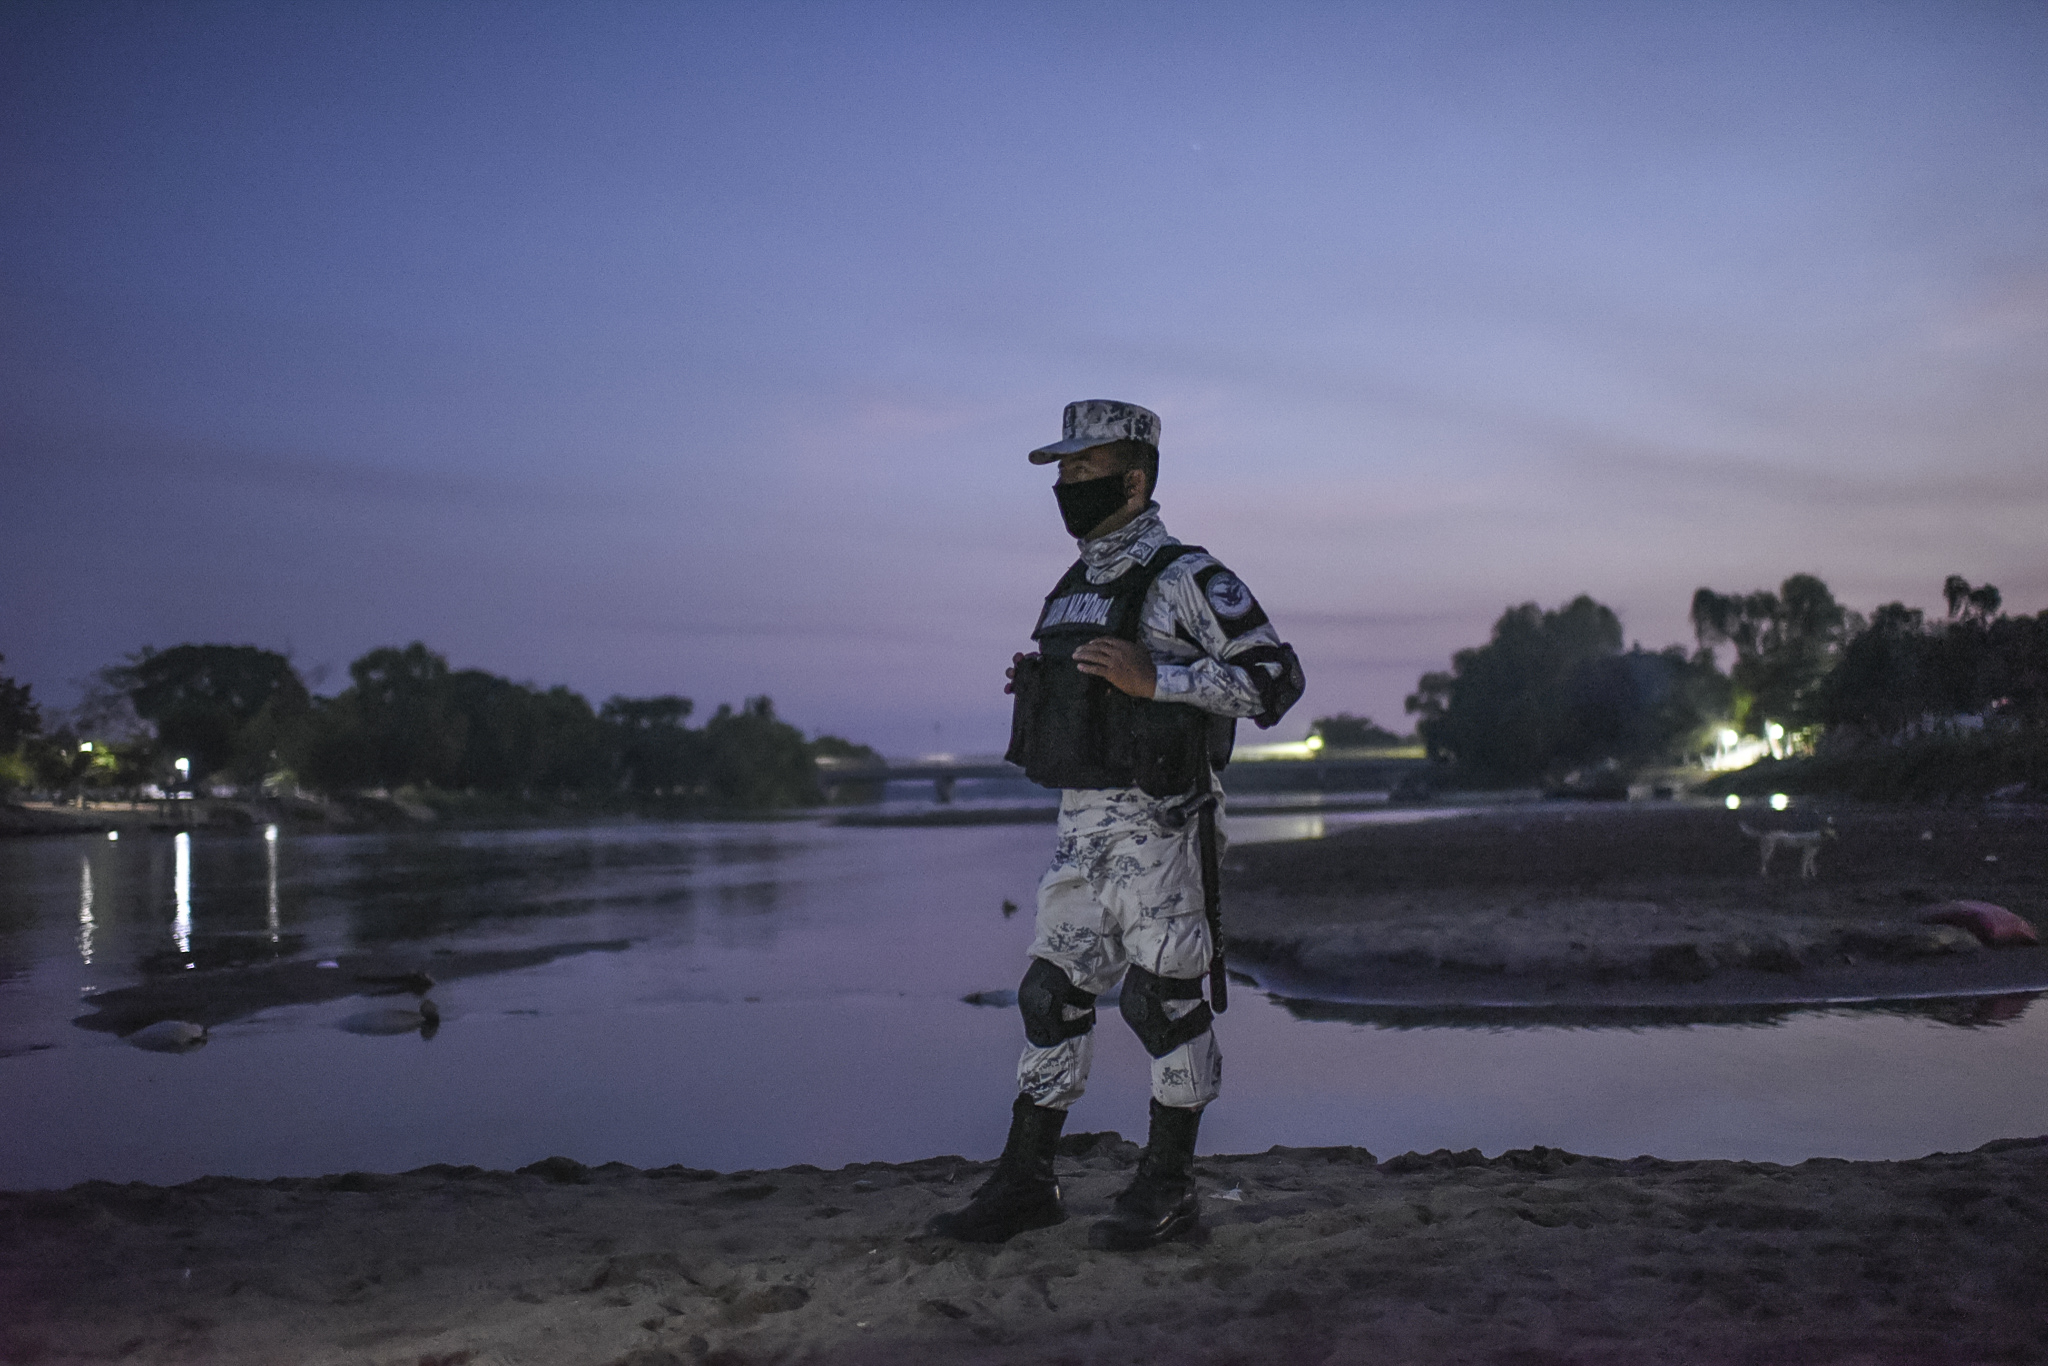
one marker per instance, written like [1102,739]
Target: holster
[1201,808]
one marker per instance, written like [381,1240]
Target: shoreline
[227,815]
[367,816]
[1534,1255]
[2010,973]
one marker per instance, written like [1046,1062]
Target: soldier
[1148,652]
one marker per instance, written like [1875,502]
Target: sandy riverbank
[1611,903]
[1533,1257]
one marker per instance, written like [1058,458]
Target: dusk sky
[697,348]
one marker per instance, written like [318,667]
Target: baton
[1212,907]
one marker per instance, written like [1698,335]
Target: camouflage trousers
[1122,889]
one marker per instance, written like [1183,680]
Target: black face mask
[1086,503]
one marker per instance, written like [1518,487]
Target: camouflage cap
[1096,422]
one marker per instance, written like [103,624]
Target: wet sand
[1535,1256]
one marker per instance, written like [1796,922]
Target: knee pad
[1042,998]
[1144,1007]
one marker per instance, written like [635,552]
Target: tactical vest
[1071,729]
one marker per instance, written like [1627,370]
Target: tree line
[242,716]
[1553,691]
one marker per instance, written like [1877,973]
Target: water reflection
[181,890]
[85,922]
[240,880]
[169,1036]
[1974,1012]
[270,858]
[752,852]
[1969,1012]
[1259,829]
[423,1019]
[423,886]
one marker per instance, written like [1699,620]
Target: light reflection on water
[792,994]
[270,836]
[85,910]
[181,928]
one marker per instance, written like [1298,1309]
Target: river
[785,992]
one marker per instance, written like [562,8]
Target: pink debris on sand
[1993,925]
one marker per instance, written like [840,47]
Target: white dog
[1807,842]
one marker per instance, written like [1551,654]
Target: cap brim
[1045,455]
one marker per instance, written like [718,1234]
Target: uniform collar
[1132,543]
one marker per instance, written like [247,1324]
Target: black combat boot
[1023,1193]
[1161,1203]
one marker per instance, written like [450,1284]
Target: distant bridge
[1338,773]
[942,774]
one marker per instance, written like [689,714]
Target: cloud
[2008,312]
[44,458]
[1668,473]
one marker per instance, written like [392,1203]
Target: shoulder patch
[1237,611]
[1228,595]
